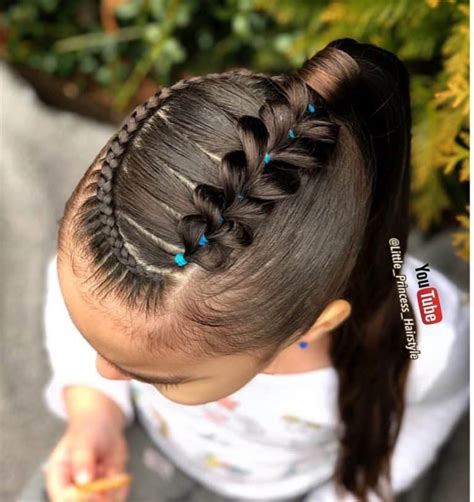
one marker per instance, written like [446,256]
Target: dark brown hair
[313,225]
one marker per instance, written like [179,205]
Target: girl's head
[236,214]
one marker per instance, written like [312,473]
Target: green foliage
[164,40]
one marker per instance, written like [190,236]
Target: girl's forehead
[108,327]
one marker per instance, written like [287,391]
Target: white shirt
[276,436]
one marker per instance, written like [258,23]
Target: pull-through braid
[292,133]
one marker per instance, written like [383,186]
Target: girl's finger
[83,462]
[101,470]
[57,477]
[58,471]
[60,485]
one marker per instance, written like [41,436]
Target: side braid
[113,158]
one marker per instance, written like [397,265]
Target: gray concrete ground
[44,153]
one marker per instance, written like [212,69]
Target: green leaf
[48,5]
[129,10]
[103,76]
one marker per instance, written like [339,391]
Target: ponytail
[370,86]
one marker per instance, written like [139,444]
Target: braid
[290,134]
[116,150]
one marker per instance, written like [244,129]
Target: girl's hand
[90,448]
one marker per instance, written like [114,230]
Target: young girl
[235,259]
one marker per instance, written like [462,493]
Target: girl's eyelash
[163,385]
[168,385]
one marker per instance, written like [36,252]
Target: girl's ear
[331,317]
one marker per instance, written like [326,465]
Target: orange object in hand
[112,483]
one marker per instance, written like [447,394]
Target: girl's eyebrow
[165,380]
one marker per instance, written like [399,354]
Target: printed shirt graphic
[275,431]
[277,436]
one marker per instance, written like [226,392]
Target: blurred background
[71,70]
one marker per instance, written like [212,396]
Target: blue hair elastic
[267,158]
[303,345]
[311,108]
[203,240]
[291,134]
[180,260]
[240,196]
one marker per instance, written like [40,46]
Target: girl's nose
[108,371]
